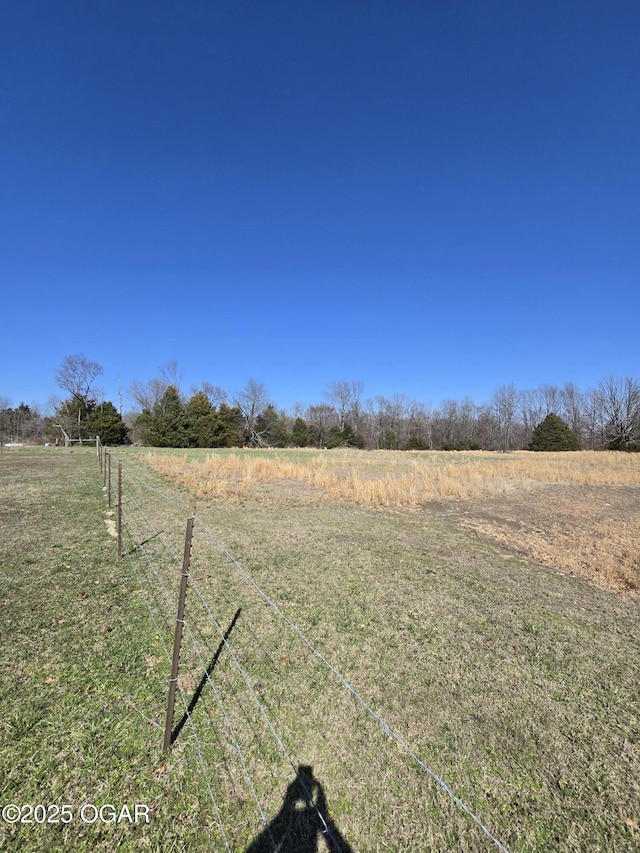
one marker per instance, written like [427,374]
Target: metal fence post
[119,510]
[184,580]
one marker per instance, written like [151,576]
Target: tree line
[547,417]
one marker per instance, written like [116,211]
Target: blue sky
[436,197]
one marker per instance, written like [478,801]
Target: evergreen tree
[229,426]
[201,420]
[345,437]
[351,437]
[553,434]
[173,419]
[271,428]
[300,436]
[389,440]
[166,425]
[416,443]
[105,421]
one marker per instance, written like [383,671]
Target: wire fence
[291,755]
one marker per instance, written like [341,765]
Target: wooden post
[177,642]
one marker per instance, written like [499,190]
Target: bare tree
[455,424]
[449,419]
[77,375]
[171,372]
[339,396]
[503,404]
[120,397]
[252,401]
[19,424]
[573,407]
[214,394]
[593,424]
[419,423]
[297,410]
[531,408]
[321,418]
[346,399]
[388,423]
[551,397]
[487,432]
[620,404]
[147,395]
[355,412]
[374,422]
[468,420]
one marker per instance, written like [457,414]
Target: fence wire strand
[198,643]
[243,674]
[201,759]
[386,728]
[229,724]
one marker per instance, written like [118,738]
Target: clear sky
[436,197]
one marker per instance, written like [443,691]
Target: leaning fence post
[184,580]
[119,510]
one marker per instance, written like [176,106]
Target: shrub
[417,443]
[553,434]
[389,440]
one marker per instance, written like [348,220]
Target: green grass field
[80,718]
[516,683]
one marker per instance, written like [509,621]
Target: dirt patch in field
[590,531]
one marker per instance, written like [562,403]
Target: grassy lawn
[81,720]
[515,682]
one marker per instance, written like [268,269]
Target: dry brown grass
[578,512]
[590,531]
[388,478]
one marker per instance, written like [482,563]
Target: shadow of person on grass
[301,823]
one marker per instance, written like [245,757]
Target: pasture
[484,605]
[578,512]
